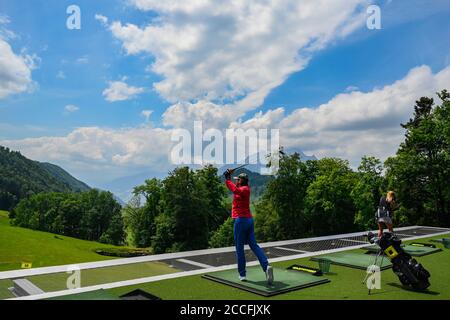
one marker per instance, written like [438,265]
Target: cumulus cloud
[120,91]
[100,153]
[205,50]
[354,124]
[15,71]
[183,115]
[261,120]
[348,126]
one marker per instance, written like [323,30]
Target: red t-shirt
[241,200]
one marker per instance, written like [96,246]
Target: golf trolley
[410,273]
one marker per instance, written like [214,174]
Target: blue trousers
[244,233]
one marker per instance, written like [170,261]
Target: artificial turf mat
[415,251]
[354,260]
[284,280]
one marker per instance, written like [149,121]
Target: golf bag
[411,273]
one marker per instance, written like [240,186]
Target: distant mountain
[123,187]
[64,176]
[21,177]
[255,165]
[303,156]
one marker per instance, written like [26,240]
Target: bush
[223,237]
[123,252]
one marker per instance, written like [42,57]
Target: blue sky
[369,59]
[42,31]
[75,67]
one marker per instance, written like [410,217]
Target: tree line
[191,209]
[93,215]
[326,196]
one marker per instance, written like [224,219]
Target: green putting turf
[415,251]
[354,260]
[285,280]
[93,295]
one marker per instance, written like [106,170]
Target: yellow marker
[27,265]
[391,252]
[303,269]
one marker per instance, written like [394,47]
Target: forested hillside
[21,177]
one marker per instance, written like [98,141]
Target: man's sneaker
[241,278]
[269,275]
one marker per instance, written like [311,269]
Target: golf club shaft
[240,167]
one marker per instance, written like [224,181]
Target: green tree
[367,191]
[280,213]
[223,236]
[92,215]
[214,194]
[163,240]
[267,226]
[140,220]
[185,204]
[329,207]
[420,171]
[115,232]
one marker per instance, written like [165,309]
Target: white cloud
[101,154]
[146,114]
[4,19]
[348,126]
[120,91]
[103,20]
[209,51]
[15,70]
[5,33]
[183,115]
[354,124]
[71,108]
[261,120]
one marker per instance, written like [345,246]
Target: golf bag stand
[410,273]
[372,270]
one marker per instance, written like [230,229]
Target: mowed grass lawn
[42,249]
[346,284]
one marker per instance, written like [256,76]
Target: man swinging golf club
[243,225]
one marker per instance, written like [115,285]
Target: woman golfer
[384,214]
[244,232]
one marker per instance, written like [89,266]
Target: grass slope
[42,249]
[346,284]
